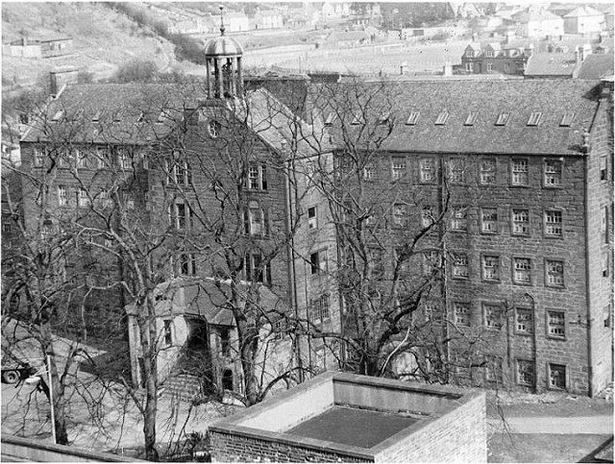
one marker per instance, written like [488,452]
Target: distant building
[268,19]
[583,20]
[565,65]
[236,22]
[190,26]
[492,58]
[41,48]
[538,23]
[596,66]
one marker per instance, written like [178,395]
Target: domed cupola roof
[223,46]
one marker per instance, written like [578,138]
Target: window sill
[522,284]
[492,281]
[482,232]
[553,187]
[553,337]
[519,186]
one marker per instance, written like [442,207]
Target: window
[400,214]
[603,168]
[80,159]
[489,220]
[526,372]
[369,172]
[493,370]
[471,118]
[487,171]
[330,118]
[431,311]
[312,217]
[182,173]
[84,200]
[534,119]
[318,262]
[214,128]
[606,315]
[519,171]
[557,376]
[102,155]
[62,195]
[256,269]
[460,266]
[567,119]
[187,264]
[502,119]
[491,267]
[413,119]
[556,324]
[456,170]
[168,332]
[442,118]
[553,223]
[39,157]
[427,170]
[256,220]
[522,271]
[123,159]
[524,321]
[129,201]
[319,309]
[604,224]
[552,173]
[520,222]
[554,271]
[493,316]
[427,217]
[461,314]
[6,228]
[470,65]
[490,65]
[376,257]
[459,219]
[431,261]
[398,167]
[257,177]
[605,263]
[225,342]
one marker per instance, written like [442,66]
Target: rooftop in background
[346,417]
[596,66]
[551,64]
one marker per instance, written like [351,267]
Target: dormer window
[330,119]
[141,117]
[117,117]
[567,119]
[535,118]
[356,120]
[161,117]
[442,118]
[502,119]
[470,53]
[96,117]
[489,54]
[472,115]
[413,119]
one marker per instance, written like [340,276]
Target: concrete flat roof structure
[339,417]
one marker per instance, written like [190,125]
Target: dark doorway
[227,379]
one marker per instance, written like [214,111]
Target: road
[556,425]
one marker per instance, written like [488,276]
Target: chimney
[578,54]
[402,68]
[60,78]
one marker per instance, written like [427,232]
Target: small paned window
[493,316]
[398,167]
[520,222]
[214,128]
[556,324]
[330,118]
[554,271]
[470,118]
[62,195]
[459,219]
[487,171]
[524,321]
[553,173]
[522,271]
[519,172]
[526,372]
[567,119]
[427,170]
[491,267]
[493,370]
[312,217]
[256,270]
[187,264]
[557,376]
[456,170]
[400,214]
[84,200]
[461,313]
[460,266]
[320,309]
[489,221]
[257,177]
[553,223]
[431,261]
[369,172]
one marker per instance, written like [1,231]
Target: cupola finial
[222,28]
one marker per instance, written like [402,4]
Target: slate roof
[583,11]
[596,66]
[488,99]
[551,64]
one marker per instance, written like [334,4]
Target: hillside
[102,40]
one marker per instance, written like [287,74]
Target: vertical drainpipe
[444,284]
[587,276]
[292,272]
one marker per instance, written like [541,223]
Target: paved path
[563,425]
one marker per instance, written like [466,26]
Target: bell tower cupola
[223,61]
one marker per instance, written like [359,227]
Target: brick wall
[459,435]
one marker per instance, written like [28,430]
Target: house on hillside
[494,58]
[236,21]
[41,48]
[584,20]
[538,23]
[268,19]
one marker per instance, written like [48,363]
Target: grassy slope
[102,39]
